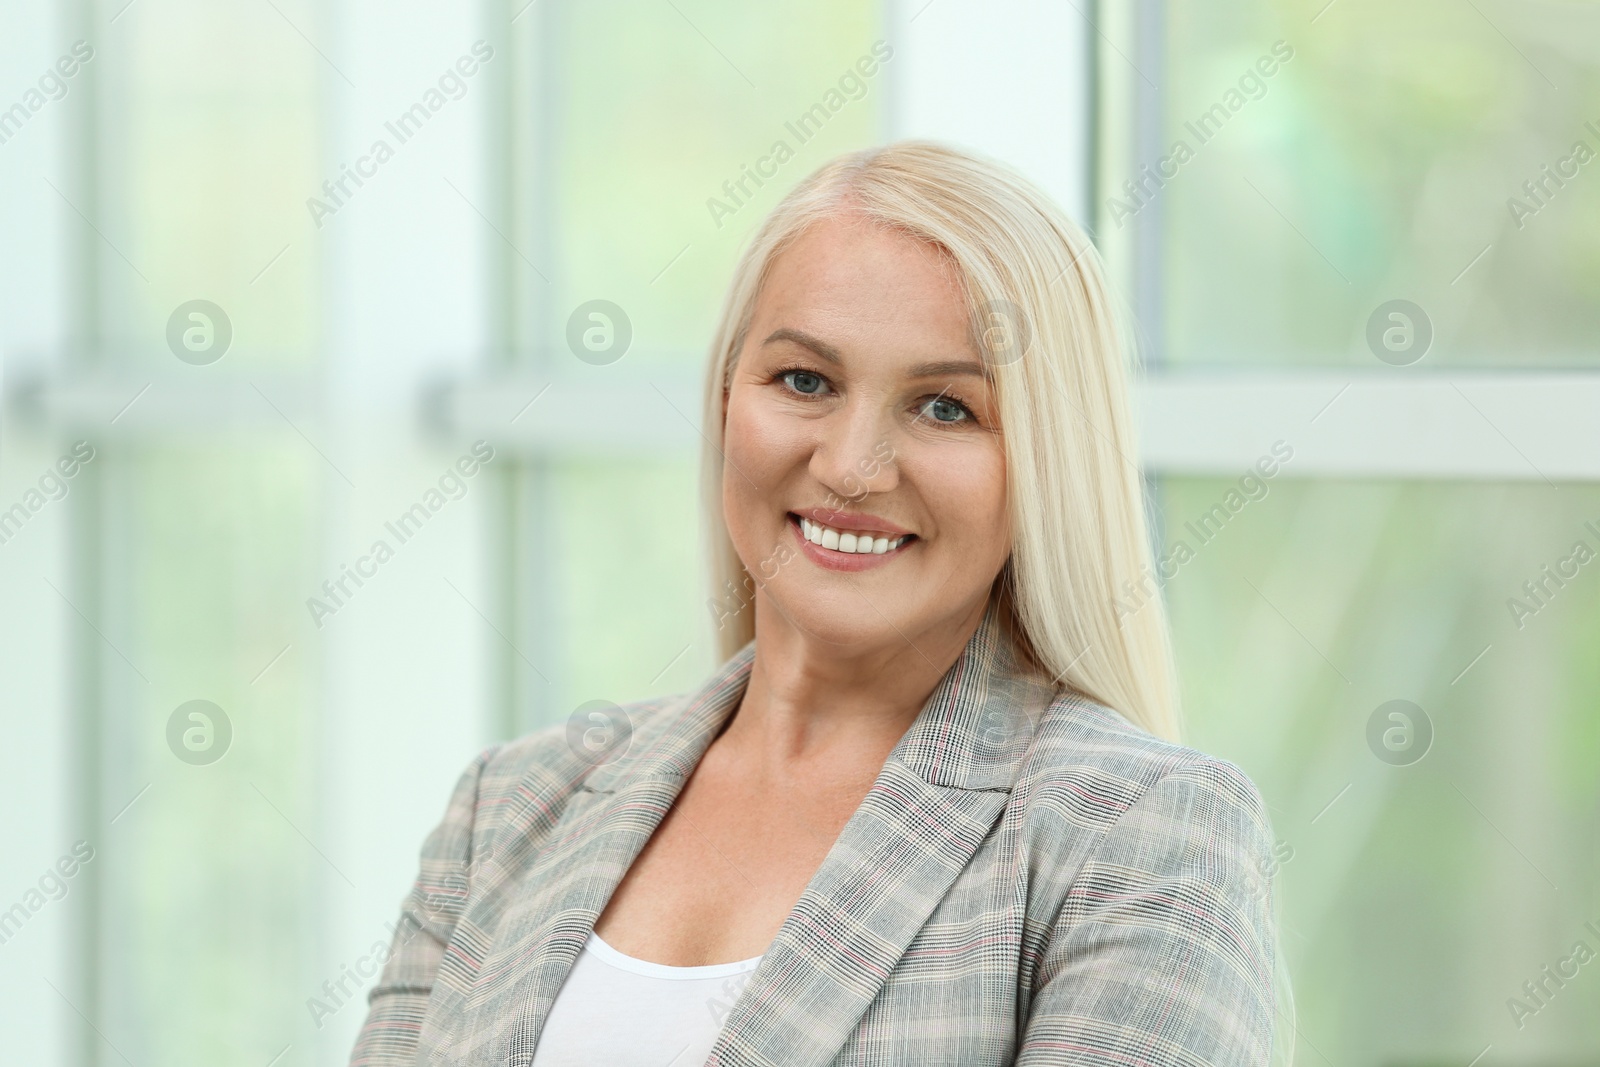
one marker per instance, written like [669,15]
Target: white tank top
[624,1012]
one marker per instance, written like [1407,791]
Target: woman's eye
[943,409]
[803,381]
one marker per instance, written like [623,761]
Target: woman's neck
[814,706]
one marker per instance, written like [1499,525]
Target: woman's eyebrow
[948,368]
[939,369]
[805,340]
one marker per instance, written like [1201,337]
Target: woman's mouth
[842,549]
[860,542]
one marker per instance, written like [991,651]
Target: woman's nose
[855,455]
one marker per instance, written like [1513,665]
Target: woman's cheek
[758,440]
[738,470]
[964,490]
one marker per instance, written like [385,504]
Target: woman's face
[865,483]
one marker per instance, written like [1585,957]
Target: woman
[930,810]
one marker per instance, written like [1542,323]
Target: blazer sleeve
[428,915]
[1163,951]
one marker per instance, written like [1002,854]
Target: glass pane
[1315,162]
[1435,854]
[630,592]
[206,150]
[659,106]
[212,882]
[209,536]
[676,127]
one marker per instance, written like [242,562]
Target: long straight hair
[1078,592]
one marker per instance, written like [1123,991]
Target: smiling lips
[843,541]
[860,542]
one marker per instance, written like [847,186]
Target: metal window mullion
[522,588]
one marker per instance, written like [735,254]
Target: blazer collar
[931,806]
[965,736]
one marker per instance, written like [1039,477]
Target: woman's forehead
[849,244]
[846,277]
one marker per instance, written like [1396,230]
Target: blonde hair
[1081,552]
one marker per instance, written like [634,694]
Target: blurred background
[269,268]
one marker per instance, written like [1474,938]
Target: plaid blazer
[1030,880]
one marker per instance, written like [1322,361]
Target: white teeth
[842,541]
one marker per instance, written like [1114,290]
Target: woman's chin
[852,625]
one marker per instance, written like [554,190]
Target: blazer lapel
[927,812]
[929,809]
[532,930]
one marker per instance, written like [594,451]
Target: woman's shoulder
[560,756]
[513,793]
[1092,765]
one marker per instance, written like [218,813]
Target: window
[534,260]
[648,136]
[392,217]
[1271,178]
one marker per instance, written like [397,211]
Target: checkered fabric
[1030,880]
